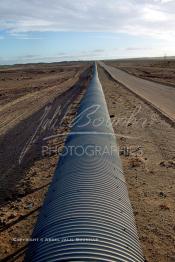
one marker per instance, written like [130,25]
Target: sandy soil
[17,81]
[23,184]
[147,148]
[46,103]
[161,71]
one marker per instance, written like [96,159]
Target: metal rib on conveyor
[87,215]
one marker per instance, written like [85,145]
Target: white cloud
[166,1]
[153,18]
[153,15]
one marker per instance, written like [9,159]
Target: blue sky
[57,30]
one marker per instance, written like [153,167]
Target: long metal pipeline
[87,215]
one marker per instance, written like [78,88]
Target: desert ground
[37,101]
[158,70]
[147,148]
[40,100]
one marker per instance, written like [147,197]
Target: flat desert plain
[39,101]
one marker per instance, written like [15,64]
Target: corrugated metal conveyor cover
[87,215]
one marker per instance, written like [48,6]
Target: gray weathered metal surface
[87,213]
